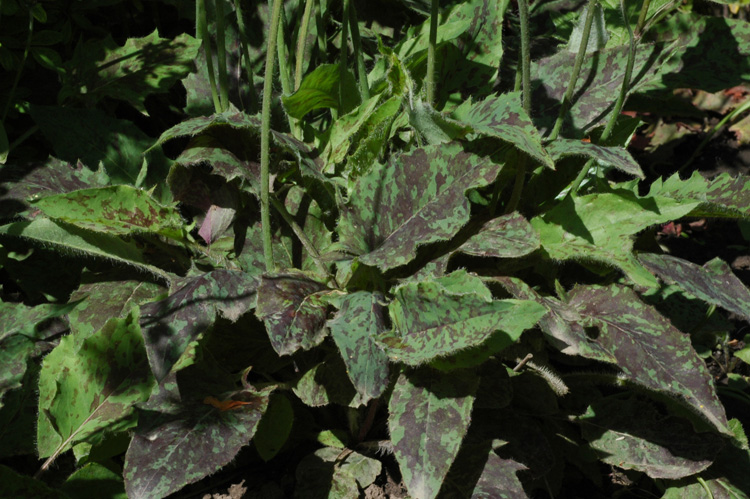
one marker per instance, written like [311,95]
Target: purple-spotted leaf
[24,183]
[618,157]
[503,117]
[601,226]
[294,310]
[508,236]
[88,387]
[174,448]
[117,209]
[444,316]
[326,470]
[359,320]
[103,297]
[171,324]
[430,412]
[722,196]
[142,66]
[71,240]
[242,121]
[561,324]
[415,199]
[714,282]
[632,434]
[649,350]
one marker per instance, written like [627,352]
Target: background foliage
[445,255]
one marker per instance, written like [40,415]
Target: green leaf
[119,210]
[503,117]
[447,315]
[14,484]
[185,440]
[722,196]
[169,325]
[714,282]
[600,227]
[23,183]
[105,296]
[74,241]
[92,387]
[320,89]
[417,198]
[433,126]
[94,480]
[294,311]
[632,434]
[274,427]
[354,328]
[429,416]
[618,157]
[132,72]
[508,236]
[649,350]
[93,137]
[324,474]
[327,383]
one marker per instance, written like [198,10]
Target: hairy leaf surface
[430,413]
[648,349]
[618,157]
[417,198]
[508,236]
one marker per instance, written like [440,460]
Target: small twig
[523,362]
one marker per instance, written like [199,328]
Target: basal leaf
[648,349]
[714,282]
[562,324]
[171,324]
[508,236]
[435,319]
[503,117]
[23,183]
[600,227]
[433,126]
[103,297]
[632,434]
[274,427]
[74,241]
[172,449]
[238,120]
[722,196]
[430,413]
[325,470]
[118,209]
[131,72]
[95,480]
[90,387]
[320,89]
[359,320]
[482,41]
[618,157]
[417,198]
[294,311]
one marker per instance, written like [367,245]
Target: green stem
[253,105]
[364,87]
[20,69]
[431,52]
[620,99]
[344,52]
[285,72]
[201,31]
[265,137]
[523,14]
[641,18]
[301,43]
[565,104]
[221,55]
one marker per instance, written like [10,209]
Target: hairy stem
[265,137]
[565,104]
[301,41]
[523,14]
[201,31]
[431,52]
[253,105]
